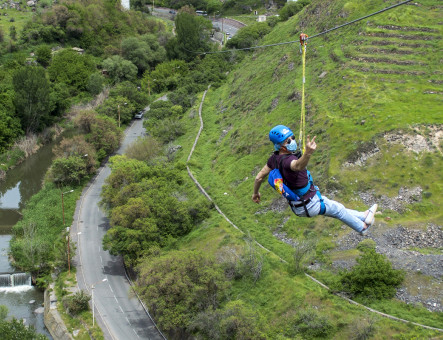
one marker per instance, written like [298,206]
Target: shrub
[234,321]
[179,285]
[366,244]
[300,252]
[311,324]
[95,83]
[77,146]
[77,303]
[373,277]
[67,171]
[143,149]
[292,8]
[43,55]
[168,129]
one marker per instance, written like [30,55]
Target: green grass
[19,19]
[234,146]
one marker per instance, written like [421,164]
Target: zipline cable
[302,134]
[313,36]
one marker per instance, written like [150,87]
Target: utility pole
[118,106]
[67,229]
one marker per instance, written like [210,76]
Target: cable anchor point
[303,40]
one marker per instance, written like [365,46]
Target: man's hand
[310,145]
[256,198]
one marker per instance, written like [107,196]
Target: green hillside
[374,101]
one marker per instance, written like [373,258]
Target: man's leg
[352,218]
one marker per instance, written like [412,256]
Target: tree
[292,8]
[43,55]
[32,97]
[165,76]
[179,285]
[191,31]
[120,69]
[118,108]
[249,35]
[9,129]
[95,83]
[67,171]
[373,277]
[71,68]
[16,329]
[77,146]
[133,94]
[144,52]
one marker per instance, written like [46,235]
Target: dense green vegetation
[264,90]
[199,276]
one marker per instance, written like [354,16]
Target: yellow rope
[302,136]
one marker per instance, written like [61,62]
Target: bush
[77,303]
[249,35]
[300,252]
[292,8]
[179,285]
[366,244]
[67,171]
[311,324]
[167,130]
[43,55]
[143,149]
[373,277]
[234,321]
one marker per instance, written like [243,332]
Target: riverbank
[25,147]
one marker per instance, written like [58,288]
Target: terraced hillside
[374,100]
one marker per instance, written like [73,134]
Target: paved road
[232,30]
[119,314]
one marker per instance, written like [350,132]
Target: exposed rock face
[398,203]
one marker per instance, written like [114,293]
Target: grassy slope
[264,91]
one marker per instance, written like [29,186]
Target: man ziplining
[304,198]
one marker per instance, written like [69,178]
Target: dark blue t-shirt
[294,179]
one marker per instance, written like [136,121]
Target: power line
[311,37]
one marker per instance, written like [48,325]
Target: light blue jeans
[353,218]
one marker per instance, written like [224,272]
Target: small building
[261,18]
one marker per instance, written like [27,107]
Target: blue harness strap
[301,192]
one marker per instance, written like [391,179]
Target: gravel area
[395,244]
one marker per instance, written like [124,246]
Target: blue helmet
[279,134]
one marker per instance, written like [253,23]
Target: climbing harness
[278,183]
[302,135]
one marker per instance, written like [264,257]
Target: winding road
[117,311]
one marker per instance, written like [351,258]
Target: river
[25,180]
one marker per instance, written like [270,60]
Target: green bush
[179,285]
[67,171]
[77,303]
[144,149]
[292,8]
[234,321]
[311,324]
[373,277]
[167,130]
[366,244]
[249,35]
[43,55]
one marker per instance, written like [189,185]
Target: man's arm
[258,181]
[302,162]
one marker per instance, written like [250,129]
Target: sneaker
[369,220]
[365,231]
